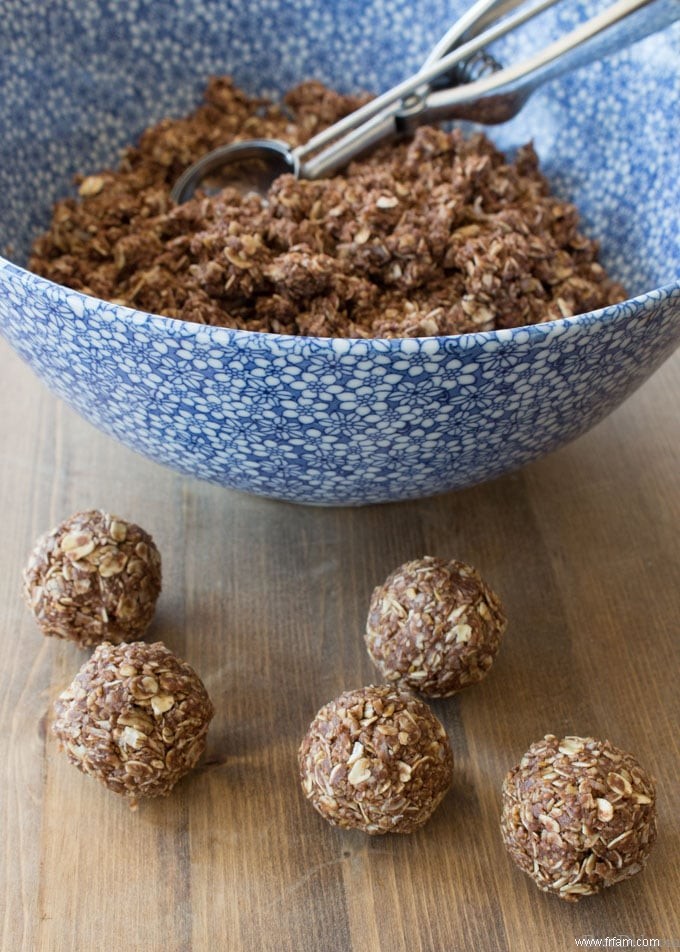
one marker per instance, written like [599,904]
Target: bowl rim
[181,328]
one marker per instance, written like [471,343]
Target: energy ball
[376,760]
[578,815]
[434,626]
[135,717]
[94,578]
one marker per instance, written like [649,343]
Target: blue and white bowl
[323,420]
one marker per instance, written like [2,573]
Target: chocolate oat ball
[434,626]
[578,815]
[377,760]
[135,717]
[94,578]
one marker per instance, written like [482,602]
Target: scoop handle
[491,99]
[499,97]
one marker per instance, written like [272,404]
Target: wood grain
[268,601]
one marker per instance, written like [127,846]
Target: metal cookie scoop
[450,85]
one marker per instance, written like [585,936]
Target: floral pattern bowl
[332,421]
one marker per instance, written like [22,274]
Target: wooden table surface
[268,601]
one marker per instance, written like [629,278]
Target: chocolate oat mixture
[432,235]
